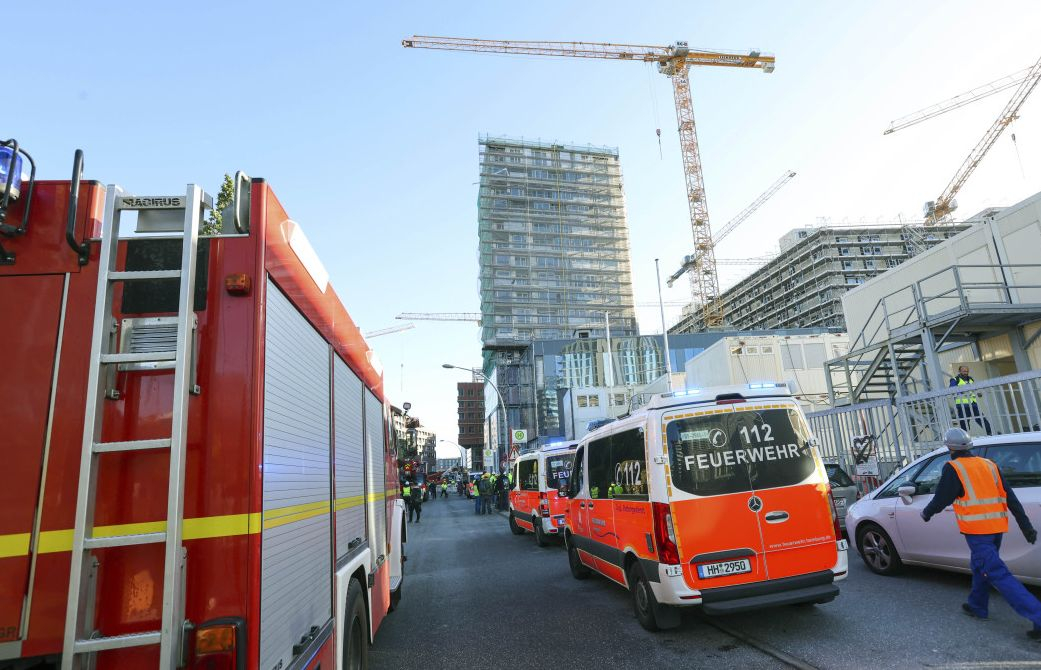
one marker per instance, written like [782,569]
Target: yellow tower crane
[940,210]
[673,61]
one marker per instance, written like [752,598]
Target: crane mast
[674,61]
[694,261]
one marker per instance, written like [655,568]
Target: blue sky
[372,148]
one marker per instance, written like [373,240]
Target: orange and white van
[715,497]
[535,502]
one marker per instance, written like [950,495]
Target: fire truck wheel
[356,630]
[540,535]
[578,569]
[514,528]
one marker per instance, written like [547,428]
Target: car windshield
[838,477]
[737,451]
[558,470]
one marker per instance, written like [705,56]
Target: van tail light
[665,534]
[834,516]
[544,506]
[220,644]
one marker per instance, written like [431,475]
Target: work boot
[971,612]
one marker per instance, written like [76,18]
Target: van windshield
[558,471]
[739,451]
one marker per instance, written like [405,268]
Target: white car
[888,531]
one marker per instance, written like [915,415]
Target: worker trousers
[477,503]
[970,410]
[989,570]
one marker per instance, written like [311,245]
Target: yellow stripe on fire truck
[200,528]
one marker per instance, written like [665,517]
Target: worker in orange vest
[982,501]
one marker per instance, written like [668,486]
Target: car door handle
[581,505]
[776,517]
[590,505]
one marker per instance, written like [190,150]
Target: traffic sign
[520,436]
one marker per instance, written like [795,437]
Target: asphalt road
[476,596]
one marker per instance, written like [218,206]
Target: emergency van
[715,497]
[535,502]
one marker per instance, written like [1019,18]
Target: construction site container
[797,360]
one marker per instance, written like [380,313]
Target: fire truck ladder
[179,215]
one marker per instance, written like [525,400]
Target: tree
[215,221]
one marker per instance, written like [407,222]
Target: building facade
[533,382]
[803,286]
[554,243]
[470,401]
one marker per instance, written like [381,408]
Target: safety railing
[881,435]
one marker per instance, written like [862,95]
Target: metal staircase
[895,354]
[182,217]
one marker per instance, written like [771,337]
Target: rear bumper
[817,587]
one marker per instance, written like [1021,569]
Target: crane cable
[654,105]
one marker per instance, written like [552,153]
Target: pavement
[477,596]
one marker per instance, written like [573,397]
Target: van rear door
[789,477]
[714,508]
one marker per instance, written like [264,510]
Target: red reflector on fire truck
[238,284]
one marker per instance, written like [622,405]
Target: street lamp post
[462,452]
[502,403]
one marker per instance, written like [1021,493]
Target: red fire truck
[197,461]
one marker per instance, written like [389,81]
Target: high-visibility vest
[406,491]
[968,397]
[983,508]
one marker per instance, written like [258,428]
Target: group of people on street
[491,489]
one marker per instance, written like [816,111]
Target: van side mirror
[906,492]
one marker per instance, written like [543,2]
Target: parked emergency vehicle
[714,497]
[245,437]
[535,502]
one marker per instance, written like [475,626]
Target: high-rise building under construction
[554,244]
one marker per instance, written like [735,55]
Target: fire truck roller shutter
[296,555]
[377,481]
[349,469]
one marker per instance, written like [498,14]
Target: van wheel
[540,535]
[643,599]
[578,569]
[514,528]
[356,639]
[877,550]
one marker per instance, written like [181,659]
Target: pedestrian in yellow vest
[966,403]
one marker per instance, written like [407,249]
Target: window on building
[582,401]
[843,251]
[847,265]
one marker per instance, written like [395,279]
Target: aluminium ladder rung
[146,357]
[92,645]
[132,445]
[123,540]
[125,275]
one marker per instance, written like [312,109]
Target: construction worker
[615,489]
[476,495]
[484,488]
[444,489]
[982,500]
[966,402]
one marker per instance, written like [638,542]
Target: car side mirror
[906,492]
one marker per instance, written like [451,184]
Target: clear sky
[372,148]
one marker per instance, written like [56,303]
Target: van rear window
[741,451]
[558,471]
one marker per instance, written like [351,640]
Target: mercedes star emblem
[755,503]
